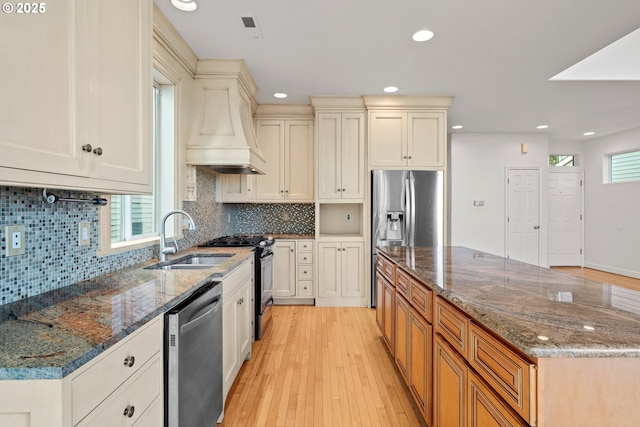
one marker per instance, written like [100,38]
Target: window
[562,160]
[132,220]
[625,167]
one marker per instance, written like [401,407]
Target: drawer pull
[129,410]
[129,361]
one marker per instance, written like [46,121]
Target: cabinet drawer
[452,325]
[99,380]
[387,268]
[509,374]
[403,283]
[421,300]
[135,396]
[305,272]
[485,407]
[305,288]
[305,245]
[305,257]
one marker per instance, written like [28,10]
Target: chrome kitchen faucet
[171,250]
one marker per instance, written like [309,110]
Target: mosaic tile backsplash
[52,256]
[273,218]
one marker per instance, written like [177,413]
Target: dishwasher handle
[201,318]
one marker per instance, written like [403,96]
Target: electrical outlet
[14,237]
[84,233]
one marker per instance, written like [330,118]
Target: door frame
[578,170]
[507,169]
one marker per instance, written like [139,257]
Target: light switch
[14,240]
[84,233]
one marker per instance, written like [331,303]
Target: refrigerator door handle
[406,232]
[412,192]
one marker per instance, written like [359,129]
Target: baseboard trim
[614,270]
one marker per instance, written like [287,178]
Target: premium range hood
[222,135]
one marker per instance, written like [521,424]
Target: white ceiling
[495,57]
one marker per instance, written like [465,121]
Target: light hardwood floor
[601,276]
[320,367]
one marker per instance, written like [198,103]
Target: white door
[565,218]
[523,217]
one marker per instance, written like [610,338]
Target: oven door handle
[268,304]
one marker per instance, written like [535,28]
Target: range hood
[222,135]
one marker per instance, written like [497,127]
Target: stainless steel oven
[265,297]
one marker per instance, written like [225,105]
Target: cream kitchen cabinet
[236,188]
[237,322]
[287,146]
[341,155]
[76,101]
[293,271]
[341,273]
[126,376]
[407,139]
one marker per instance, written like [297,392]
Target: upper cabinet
[287,145]
[340,155]
[75,110]
[340,130]
[407,132]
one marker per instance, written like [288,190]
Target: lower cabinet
[420,350]
[485,409]
[341,274]
[121,387]
[449,386]
[389,326]
[237,323]
[293,271]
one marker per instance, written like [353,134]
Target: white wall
[477,172]
[612,211]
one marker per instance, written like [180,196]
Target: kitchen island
[526,345]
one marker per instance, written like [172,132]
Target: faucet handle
[171,250]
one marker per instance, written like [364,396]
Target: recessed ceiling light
[543,338]
[457,127]
[390,89]
[280,95]
[542,127]
[589,133]
[185,5]
[423,35]
[589,328]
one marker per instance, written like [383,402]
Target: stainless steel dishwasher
[193,359]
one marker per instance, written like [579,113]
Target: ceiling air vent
[251,26]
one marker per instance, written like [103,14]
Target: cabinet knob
[305,288]
[129,361]
[281,191]
[339,190]
[97,151]
[343,190]
[410,157]
[240,301]
[87,148]
[286,191]
[305,272]
[129,410]
[404,157]
[305,258]
[291,250]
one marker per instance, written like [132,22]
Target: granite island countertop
[48,336]
[542,312]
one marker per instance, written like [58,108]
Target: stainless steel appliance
[263,282]
[193,359]
[407,209]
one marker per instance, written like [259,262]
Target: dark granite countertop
[290,236]
[542,312]
[50,335]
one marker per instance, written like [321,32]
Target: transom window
[562,160]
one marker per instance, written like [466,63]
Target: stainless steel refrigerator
[407,209]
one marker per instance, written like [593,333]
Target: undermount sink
[192,262]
